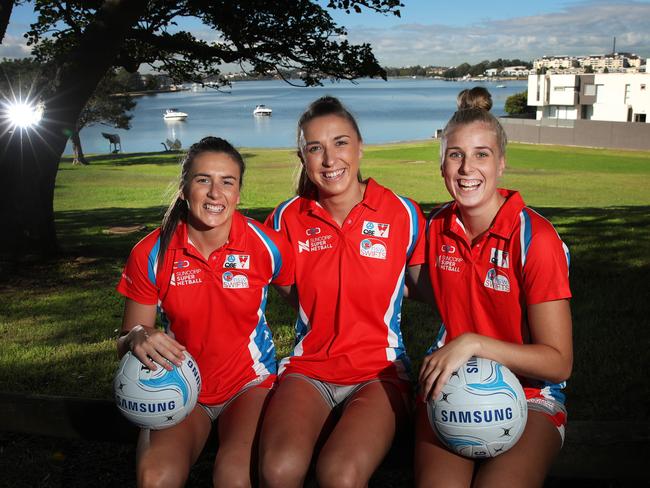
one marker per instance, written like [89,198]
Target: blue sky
[436,33]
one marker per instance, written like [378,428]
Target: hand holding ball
[481,411]
[156,399]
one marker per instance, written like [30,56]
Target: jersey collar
[236,238]
[371,198]
[507,216]
[504,222]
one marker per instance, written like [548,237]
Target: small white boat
[501,86]
[174,114]
[262,110]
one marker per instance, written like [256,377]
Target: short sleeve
[546,267]
[419,249]
[286,273]
[138,278]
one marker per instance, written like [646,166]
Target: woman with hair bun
[345,390]
[184,270]
[500,279]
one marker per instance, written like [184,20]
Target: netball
[481,411]
[156,399]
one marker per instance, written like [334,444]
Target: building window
[643,87]
[626,98]
[639,117]
[590,90]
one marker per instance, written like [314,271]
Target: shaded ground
[48,462]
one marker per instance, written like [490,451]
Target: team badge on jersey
[496,281]
[372,248]
[234,280]
[237,261]
[500,258]
[375,229]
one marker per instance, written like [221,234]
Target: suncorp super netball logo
[372,248]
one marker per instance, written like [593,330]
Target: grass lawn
[58,320]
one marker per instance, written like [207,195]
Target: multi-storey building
[612,63]
[618,97]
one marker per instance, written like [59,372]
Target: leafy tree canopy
[260,35]
[517,104]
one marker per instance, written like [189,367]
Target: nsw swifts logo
[375,229]
[234,280]
[237,261]
[496,281]
[372,248]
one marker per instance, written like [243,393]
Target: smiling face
[471,165]
[212,190]
[330,151]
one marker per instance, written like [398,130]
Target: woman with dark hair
[500,279]
[206,272]
[345,388]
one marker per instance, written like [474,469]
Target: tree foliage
[517,104]
[84,39]
[480,68]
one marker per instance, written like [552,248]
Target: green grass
[58,319]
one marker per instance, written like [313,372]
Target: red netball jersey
[350,282]
[485,287]
[215,307]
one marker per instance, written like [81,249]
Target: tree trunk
[30,159]
[77,150]
[6,6]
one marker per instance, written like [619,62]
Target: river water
[392,111]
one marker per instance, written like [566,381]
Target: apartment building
[611,63]
[617,97]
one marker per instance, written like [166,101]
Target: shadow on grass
[72,301]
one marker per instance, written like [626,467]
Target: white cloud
[14,47]
[582,28]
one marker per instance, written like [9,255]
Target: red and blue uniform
[485,287]
[215,307]
[350,282]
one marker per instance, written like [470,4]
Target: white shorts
[214,411]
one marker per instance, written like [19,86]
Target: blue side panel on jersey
[172,379]
[413,215]
[277,257]
[278,213]
[301,329]
[394,324]
[151,260]
[441,334]
[264,340]
[528,234]
[555,390]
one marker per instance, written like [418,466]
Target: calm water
[397,110]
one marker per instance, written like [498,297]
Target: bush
[517,104]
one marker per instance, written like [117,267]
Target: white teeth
[214,208]
[333,174]
[469,184]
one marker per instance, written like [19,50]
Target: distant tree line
[480,68]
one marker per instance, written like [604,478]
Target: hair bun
[477,98]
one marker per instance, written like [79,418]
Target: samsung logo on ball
[476,416]
[145,407]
